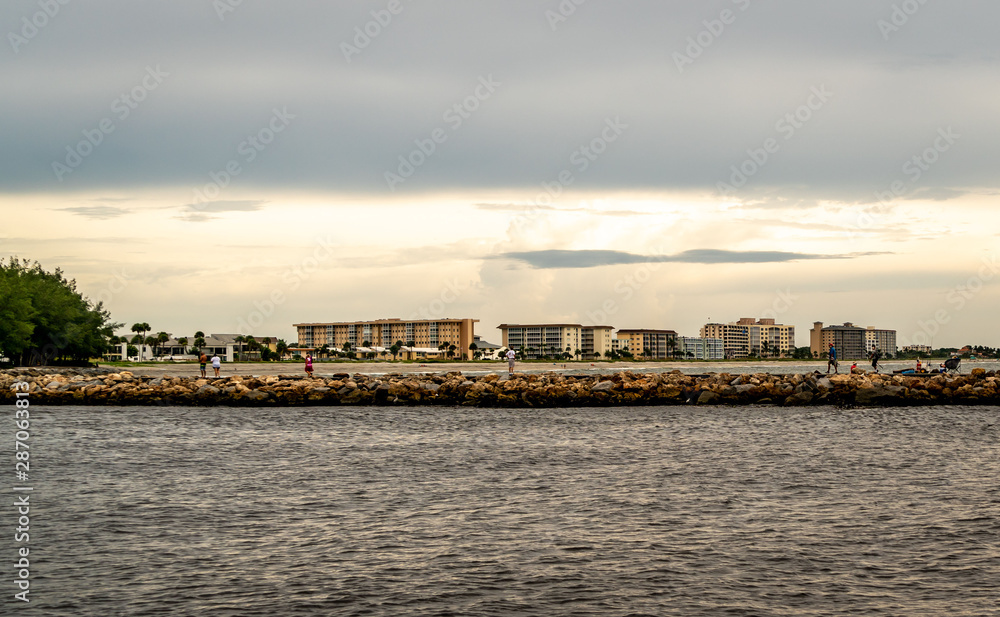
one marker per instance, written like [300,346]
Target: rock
[707,397]
[604,386]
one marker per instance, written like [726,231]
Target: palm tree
[473,347]
[282,348]
[161,338]
[411,344]
[451,349]
[183,341]
[239,340]
[443,347]
[671,345]
[140,329]
[395,349]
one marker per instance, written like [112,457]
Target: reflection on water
[429,511]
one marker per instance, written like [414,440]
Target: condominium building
[693,348]
[848,339]
[917,348]
[658,344]
[534,340]
[426,334]
[761,337]
[883,340]
[596,341]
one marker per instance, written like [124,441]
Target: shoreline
[110,387]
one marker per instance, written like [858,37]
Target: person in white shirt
[510,361]
[216,364]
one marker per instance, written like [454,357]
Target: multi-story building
[693,348]
[917,348]
[596,341]
[848,339]
[427,334]
[883,340]
[657,344]
[534,340]
[761,337]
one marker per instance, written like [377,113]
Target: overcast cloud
[770,143]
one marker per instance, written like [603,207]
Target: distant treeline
[45,320]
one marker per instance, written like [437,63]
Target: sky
[244,165]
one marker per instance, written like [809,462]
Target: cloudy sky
[245,165]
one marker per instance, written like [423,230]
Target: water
[425,511]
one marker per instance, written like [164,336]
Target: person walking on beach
[510,362]
[876,355]
[203,360]
[216,364]
[832,360]
[309,364]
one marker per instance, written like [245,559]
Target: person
[832,360]
[854,367]
[875,358]
[309,364]
[920,367]
[216,364]
[510,361]
[203,360]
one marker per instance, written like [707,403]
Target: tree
[282,348]
[671,345]
[411,344]
[140,329]
[474,349]
[451,349]
[161,338]
[44,318]
[395,349]
[239,341]
[443,348]
[183,341]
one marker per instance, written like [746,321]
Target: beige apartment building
[762,337]
[852,342]
[642,343]
[534,340]
[425,334]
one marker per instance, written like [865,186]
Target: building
[534,340]
[749,336]
[596,341]
[487,350]
[657,344]
[848,339]
[692,348]
[226,346]
[926,349]
[884,340]
[421,338]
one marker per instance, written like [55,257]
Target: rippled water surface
[427,511]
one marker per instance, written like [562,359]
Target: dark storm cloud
[126,94]
[596,258]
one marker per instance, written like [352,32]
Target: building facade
[655,344]
[427,334]
[692,348]
[760,337]
[531,341]
[884,340]
[848,339]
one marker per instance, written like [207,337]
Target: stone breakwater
[103,387]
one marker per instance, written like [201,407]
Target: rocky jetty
[104,387]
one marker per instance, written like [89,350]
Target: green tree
[140,329]
[281,347]
[44,318]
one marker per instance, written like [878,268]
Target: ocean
[419,511]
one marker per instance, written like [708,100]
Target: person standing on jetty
[832,360]
[510,362]
[876,356]
[203,360]
[216,364]
[309,364]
